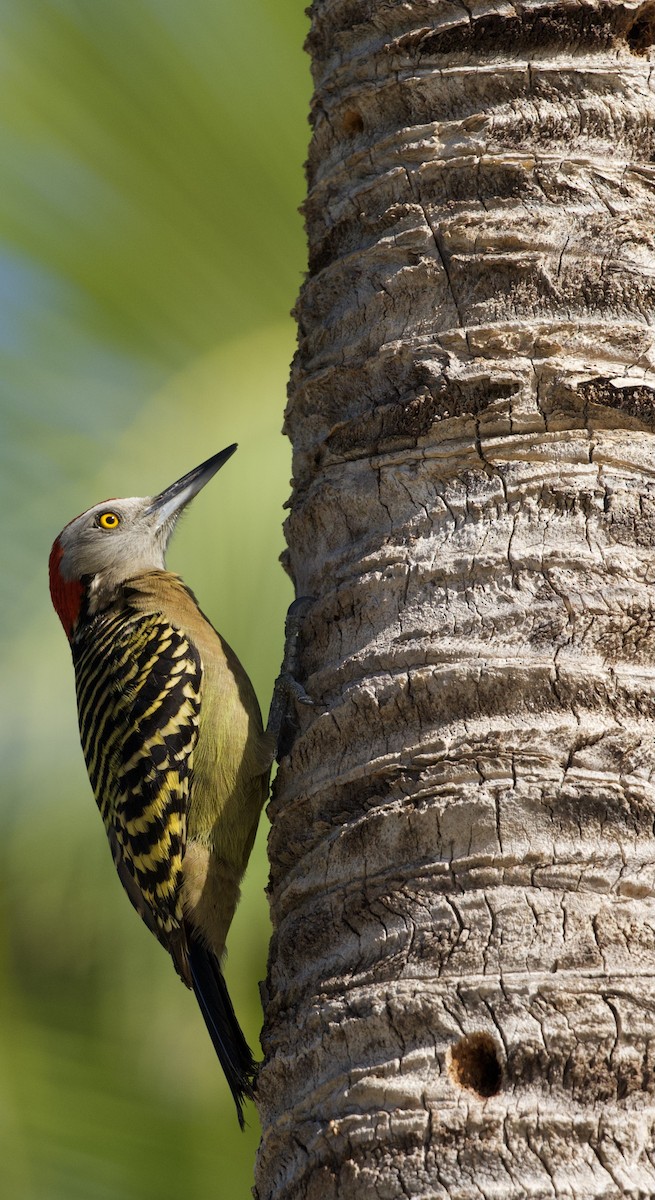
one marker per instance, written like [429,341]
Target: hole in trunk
[353,122]
[474,1064]
[641,34]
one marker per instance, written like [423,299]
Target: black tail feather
[224,1030]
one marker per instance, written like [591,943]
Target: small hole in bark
[474,1064]
[352,122]
[641,35]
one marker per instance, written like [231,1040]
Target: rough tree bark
[461,997]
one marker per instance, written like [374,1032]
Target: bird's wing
[138,693]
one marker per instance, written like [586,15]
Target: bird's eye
[109,520]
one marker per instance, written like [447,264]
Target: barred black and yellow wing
[138,683]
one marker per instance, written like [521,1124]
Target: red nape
[66,594]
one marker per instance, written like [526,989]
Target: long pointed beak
[168,504]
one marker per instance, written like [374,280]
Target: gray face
[116,539]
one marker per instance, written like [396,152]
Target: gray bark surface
[461,992]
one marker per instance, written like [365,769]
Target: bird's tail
[224,1030]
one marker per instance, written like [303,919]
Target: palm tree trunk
[461,997]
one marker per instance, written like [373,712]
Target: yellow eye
[109,520]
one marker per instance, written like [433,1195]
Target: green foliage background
[150,250]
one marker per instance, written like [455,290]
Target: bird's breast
[232,756]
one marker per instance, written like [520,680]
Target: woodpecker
[172,737]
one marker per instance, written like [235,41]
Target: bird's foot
[288,691]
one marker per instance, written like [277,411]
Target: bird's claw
[287,687]
[294,689]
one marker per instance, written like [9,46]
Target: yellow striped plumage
[138,690]
[174,747]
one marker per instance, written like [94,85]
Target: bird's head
[118,539]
